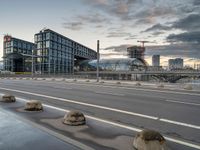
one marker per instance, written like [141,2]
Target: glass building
[57,54]
[120,64]
[17,54]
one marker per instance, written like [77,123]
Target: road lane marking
[180,123]
[133,88]
[181,102]
[85,104]
[130,88]
[107,93]
[123,126]
[108,108]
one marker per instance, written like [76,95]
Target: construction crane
[143,42]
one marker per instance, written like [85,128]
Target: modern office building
[17,54]
[156,60]
[136,52]
[175,63]
[58,54]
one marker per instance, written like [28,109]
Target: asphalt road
[174,113]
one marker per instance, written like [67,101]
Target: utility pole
[32,69]
[97,60]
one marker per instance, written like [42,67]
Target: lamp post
[32,68]
[97,60]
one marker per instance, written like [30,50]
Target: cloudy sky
[172,27]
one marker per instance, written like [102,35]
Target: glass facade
[56,53]
[125,64]
[17,54]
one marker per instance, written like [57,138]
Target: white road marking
[181,102]
[85,104]
[138,89]
[108,108]
[180,123]
[107,93]
[124,126]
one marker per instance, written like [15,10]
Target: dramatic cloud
[80,20]
[189,23]
[158,27]
[73,25]
[188,37]
[118,34]
[120,48]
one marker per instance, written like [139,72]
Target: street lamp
[97,60]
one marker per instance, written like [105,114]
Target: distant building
[17,54]
[1,65]
[156,60]
[175,63]
[136,52]
[59,54]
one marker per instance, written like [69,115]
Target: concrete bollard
[138,84]
[75,80]
[149,140]
[33,105]
[53,79]
[188,87]
[160,85]
[101,82]
[43,79]
[35,79]
[87,81]
[8,98]
[74,118]
[118,82]
[63,79]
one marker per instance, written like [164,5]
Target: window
[47,44]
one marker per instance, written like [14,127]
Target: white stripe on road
[124,126]
[107,93]
[181,102]
[180,123]
[108,108]
[85,104]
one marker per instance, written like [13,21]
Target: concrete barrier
[160,85]
[33,105]
[74,118]
[138,84]
[8,98]
[188,87]
[101,82]
[149,140]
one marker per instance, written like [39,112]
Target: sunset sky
[171,26]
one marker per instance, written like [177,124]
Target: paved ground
[175,113]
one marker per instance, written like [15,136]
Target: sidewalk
[18,135]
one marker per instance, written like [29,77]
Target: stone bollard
[149,140]
[138,84]
[33,105]
[161,85]
[87,81]
[74,118]
[118,82]
[74,80]
[53,79]
[8,98]
[188,87]
[43,79]
[63,79]
[101,82]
